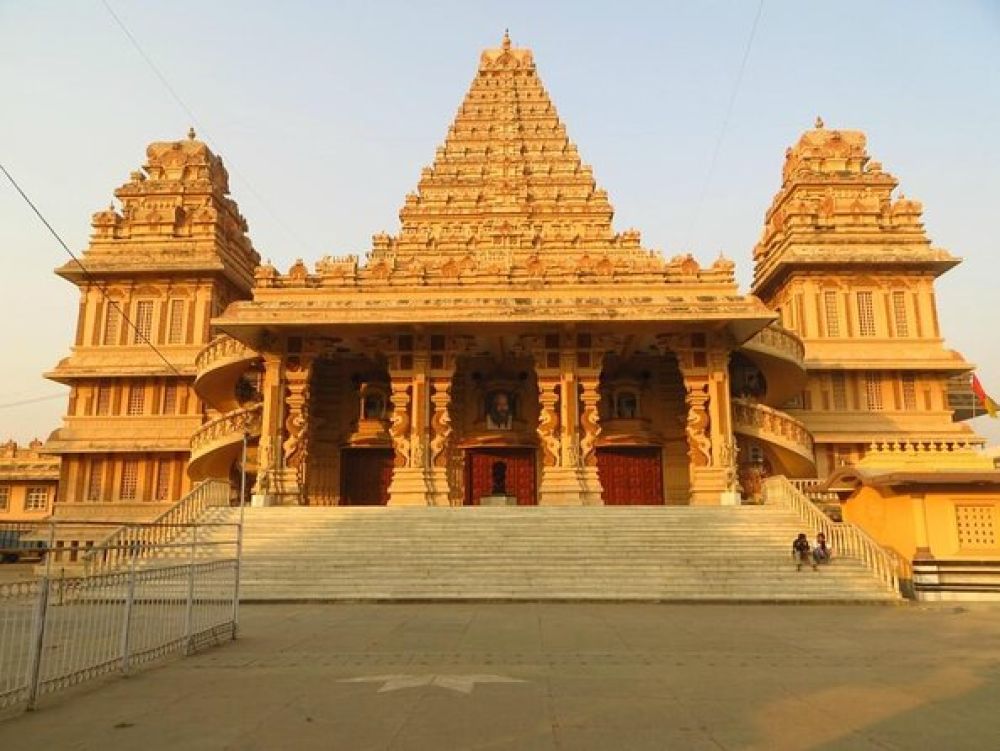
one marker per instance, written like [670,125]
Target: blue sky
[325,114]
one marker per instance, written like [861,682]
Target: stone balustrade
[927,446]
[222,348]
[772,425]
[228,428]
[777,339]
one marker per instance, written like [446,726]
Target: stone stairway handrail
[845,538]
[770,421]
[231,423]
[776,337]
[116,549]
[222,347]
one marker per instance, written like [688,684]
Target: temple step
[537,553]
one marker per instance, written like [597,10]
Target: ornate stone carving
[441,428]
[590,420]
[696,425]
[548,423]
[399,427]
[295,445]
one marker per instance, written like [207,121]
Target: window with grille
[175,335]
[170,398]
[103,400]
[909,391]
[873,392]
[976,524]
[143,321]
[899,313]
[163,481]
[37,498]
[866,314]
[4,497]
[136,400]
[839,392]
[112,323]
[832,314]
[130,479]
[95,481]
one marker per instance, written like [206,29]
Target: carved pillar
[707,424]
[567,480]
[440,435]
[590,429]
[289,481]
[410,431]
[268,449]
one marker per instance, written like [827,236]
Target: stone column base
[569,486]
[277,487]
[437,483]
[707,486]
[411,486]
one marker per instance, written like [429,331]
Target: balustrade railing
[767,421]
[222,347]
[115,550]
[778,338]
[846,539]
[234,423]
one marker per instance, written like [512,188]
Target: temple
[507,344]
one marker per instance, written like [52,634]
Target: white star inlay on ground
[461,683]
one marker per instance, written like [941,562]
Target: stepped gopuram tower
[506,342]
[172,258]
[850,269]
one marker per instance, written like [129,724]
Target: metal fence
[65,627]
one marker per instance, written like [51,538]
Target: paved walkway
[548,676]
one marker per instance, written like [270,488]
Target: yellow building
[28,481]
[507,344]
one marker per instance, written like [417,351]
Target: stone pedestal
[411,486]
[437,484]
[730,498]
[278,487]
[498,500]
[569,486]
[707,485]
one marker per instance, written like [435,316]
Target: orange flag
[988,404]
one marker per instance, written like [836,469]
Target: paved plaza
[557,676]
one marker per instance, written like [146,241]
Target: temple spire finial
[506,39]
[819,122]
[191,134]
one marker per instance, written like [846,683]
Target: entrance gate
[520,473]
[631,475]
[365,475]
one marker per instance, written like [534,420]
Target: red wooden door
[520,473]
[630,475]
[365,475]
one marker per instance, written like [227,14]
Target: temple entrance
[365,476]
[631,475]
[515,467]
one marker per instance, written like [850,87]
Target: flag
[988,404]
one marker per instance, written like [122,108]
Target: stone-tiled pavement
[557,676]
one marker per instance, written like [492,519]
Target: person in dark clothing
[800,552]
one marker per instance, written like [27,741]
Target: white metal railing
[171,598]
[846,539]
[117,549]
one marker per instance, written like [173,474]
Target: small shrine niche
[374,409]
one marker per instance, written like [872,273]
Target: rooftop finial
[506,39]
[819,122]
[191,134]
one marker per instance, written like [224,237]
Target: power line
[194,120]
[33,400]
[696,215]
[90,277]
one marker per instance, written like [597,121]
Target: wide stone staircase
[536,553]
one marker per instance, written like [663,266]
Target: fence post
[38,626]
[189,615]
[129,601]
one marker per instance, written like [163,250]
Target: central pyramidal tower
[507,185]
